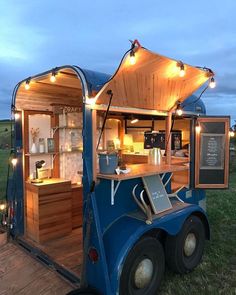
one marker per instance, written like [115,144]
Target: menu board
[212,151]
[156,193]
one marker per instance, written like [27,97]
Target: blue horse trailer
[86,197]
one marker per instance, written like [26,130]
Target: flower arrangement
[34,134]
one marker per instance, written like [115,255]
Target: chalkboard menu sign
[212,153]
[156,193]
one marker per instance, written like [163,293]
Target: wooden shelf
[67,127]
[53,153]
[39,154]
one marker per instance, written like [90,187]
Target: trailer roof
[152,83]
[71,85]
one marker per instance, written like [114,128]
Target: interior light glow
[231,132]
[135,120]
[90,101]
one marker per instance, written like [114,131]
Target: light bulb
[2,207]
[231,132]
[132,58]
[212,83]
[133,121]
[27,85]
[182,71]
[17,116]
[198,128]
[53,78]
[14,161]
[179,110]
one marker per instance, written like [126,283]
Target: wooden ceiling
[153,83]
[66,90]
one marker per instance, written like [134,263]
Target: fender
[121,236]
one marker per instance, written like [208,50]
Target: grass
[5,133]
[217,272]
[4,155]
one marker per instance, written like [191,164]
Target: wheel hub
[190,244]
[143,273]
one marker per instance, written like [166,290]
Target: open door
[212,152]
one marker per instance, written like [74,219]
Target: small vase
[33,149]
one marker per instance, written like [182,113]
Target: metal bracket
[114,190]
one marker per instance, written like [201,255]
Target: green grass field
[4,155]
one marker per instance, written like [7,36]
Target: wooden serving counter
[141,170]
[49,207]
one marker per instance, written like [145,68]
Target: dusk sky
[39,35]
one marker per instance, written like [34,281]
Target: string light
[17,116]
[53,77]
[181,69]
[132,58]
[179,110]
[198,127]
[231,132]
[14,161]
[27,84]
[212,83]
[2,207]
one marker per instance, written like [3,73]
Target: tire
[147,253]
[83,291]
[184,251]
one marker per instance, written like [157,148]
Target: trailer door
[212,152]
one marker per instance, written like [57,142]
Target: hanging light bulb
[198,127]
[27,85]
[53,77]
[17,116]
[231,132]
[181,69]
[212,83]
[14,161]
[2,207]
[132,58]
[179,110]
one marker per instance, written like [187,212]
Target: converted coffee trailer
[66,200]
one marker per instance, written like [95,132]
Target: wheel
[143,268]
[83,291]
[184,251]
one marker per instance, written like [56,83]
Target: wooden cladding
[152,83]
[66,90]
[212,153]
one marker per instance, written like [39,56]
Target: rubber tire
[146,247]
[176,260]
[83,291]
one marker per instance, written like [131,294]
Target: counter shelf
[137,171]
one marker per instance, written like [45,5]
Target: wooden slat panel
[77,206]
[48,210]
[152,83]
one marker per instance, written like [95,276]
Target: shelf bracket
[114,190]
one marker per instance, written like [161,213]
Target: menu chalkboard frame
[212,177]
